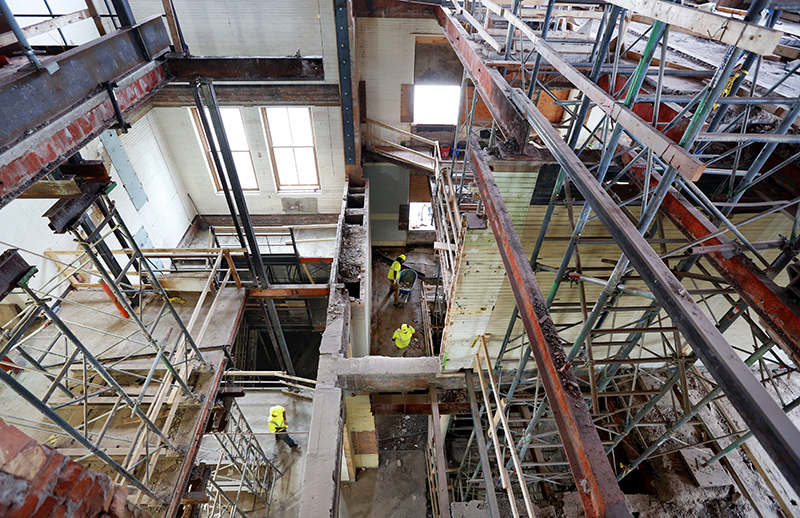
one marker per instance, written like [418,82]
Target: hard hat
[404,327]
[277,409]
[402,257]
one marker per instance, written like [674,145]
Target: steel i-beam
[598,489]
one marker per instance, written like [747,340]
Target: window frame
[291,188]
[207,150]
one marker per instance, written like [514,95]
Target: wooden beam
[172,23]
[441,463]
[94,12]
[747,36]
[53,189]
[46,26]
[291,291]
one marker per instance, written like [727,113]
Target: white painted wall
[76,33]
[165,216]
[254,28]
[181,137]
[386,60]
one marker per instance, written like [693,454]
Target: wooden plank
[496,45]
[46,26]
[172,23]
[407,104]
[289,291]
[787,51]
[52,189]
[747,36]
[441,463]
[94,11]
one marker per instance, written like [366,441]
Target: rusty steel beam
[39,153]
[394,8]
[305,94]
[246,68]
[597,485]
[31,99]
[780,316]
[290,291]
[491,85]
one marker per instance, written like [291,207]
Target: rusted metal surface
[394,8]
[491,86]
[247,68]
[41,152]
[178,95]
[418,404]
[39,98]
[767,299]
[290,291]
[597,485]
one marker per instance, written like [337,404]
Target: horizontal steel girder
[598,488]
[247,68]
[41,152]
[31,99]
[775,431]
[303,94]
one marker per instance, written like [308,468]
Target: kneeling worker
[402,337]
[278,426]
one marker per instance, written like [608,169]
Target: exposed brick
[365,442]
[69,476]
[46,507]
[119,497]
[48,475]
[27,463]
[27,508]
[80,490]
[93,502]
[60,511]
[14,441]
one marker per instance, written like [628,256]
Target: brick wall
[38,482]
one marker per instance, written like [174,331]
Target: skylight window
[240,149]
[436,104]
[290,135]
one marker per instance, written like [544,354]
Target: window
[290,135]
[240,149]
[436,104]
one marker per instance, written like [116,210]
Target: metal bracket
[13,271]
[121,124]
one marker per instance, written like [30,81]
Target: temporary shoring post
[776,432]
[598,489]
[210,98]
[494,511]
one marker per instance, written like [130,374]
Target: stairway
[402,146]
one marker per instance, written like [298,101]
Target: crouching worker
[402,337]
[279,426]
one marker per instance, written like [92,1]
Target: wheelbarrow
[406,281]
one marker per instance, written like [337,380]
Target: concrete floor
[385,317]
[255,406]
[398,488]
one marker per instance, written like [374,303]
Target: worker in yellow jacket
[402,337]
[279,426]
[394,278]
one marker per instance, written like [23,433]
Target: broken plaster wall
[355,260]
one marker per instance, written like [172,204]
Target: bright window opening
[420,216]
[290,134]
[436,104]
[237,140]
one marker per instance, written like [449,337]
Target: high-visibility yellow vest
[277,419]
[394,271]
[401,339]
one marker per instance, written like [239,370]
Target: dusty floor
[255,406]
[385,317]
[398,488]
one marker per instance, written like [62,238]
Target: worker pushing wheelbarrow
[406,281]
